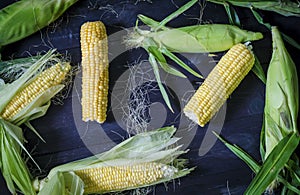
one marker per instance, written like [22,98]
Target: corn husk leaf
[163,63]
[159,83]
[153,146]
[258,70]
[274,163]
[13,167]
[232,15]
[255,166]
[67,183]
[176,13]
[11,70]
[287,38]
[285,8]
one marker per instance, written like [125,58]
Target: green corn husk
[206,38]
[285,8]
[26,17]
[161,41]
[153,146]
[12,165]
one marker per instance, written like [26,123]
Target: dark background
[217,172]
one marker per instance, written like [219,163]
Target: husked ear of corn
[94,48]
[48,78]
[123,177]
[219,84]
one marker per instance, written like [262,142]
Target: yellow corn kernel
[219,84]
[94,49]
[46,79]
[118,178]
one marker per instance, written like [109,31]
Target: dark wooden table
[218,171]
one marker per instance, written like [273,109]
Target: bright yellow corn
[219,84]
[118,178]
[94,63]
[46,79]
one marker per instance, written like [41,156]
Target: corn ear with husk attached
[282,95]
[28,97]
[140,161]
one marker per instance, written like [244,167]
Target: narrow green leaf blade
[13,166]
[273,164]
[232,15]
[163,63]
[287,38]
[161,87]
[177,13]
[239,152]
[180,62]
[258,70]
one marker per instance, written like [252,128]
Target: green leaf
[239,152]
[285,8]
[262,142]
[163,63]
[176,13]
[287,38]
[55,185]
[150,22]
[180,62]
[258,70]
[13,167]
[160,85]
[232,15]
[273,164]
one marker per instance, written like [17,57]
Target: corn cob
[94,50]
[39,84]
[219,84]
[117,178]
